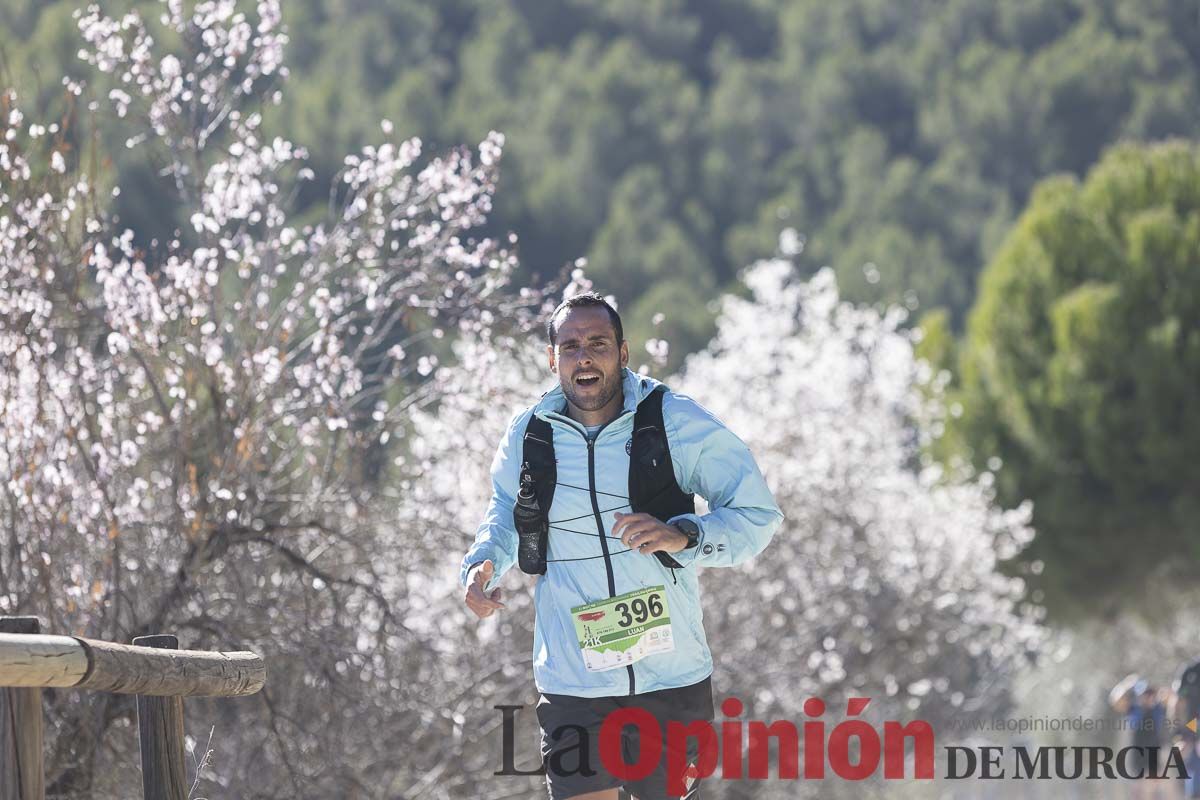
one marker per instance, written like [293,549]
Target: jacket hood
[634,386]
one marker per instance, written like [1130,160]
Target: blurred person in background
[1144,706]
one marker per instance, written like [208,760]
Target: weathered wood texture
[160,733]
[74,662]
[22,773]
[182,673]
[29,660]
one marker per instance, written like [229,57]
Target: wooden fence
[153,668]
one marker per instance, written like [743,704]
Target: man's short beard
[602,397]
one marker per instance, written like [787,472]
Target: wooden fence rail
[153,668]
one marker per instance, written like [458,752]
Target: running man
[618,616]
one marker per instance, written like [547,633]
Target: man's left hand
[648,534]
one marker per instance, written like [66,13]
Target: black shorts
[562,748]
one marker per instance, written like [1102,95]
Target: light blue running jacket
[708,459]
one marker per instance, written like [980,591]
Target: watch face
[692,531]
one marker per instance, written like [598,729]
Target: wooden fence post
[160,732]
[22,773]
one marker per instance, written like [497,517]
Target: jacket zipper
[612,583]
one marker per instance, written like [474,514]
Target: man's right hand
[484,605]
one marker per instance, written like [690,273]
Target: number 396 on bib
[621,630]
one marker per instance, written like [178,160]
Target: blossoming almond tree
[884,580]
[184,427]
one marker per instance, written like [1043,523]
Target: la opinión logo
[853,750]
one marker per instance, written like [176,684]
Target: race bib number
[621,630]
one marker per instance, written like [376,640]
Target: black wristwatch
[691,530]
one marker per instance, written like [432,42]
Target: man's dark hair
[579,301]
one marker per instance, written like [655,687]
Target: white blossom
[181,421]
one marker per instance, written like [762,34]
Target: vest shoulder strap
[652,485]
[538,464]
[537,451]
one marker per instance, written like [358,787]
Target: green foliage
[901,136]
[1081,369]
[937,344]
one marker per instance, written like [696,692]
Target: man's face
[588,358]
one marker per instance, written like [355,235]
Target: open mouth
[587,380]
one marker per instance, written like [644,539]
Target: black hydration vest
[652,486]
